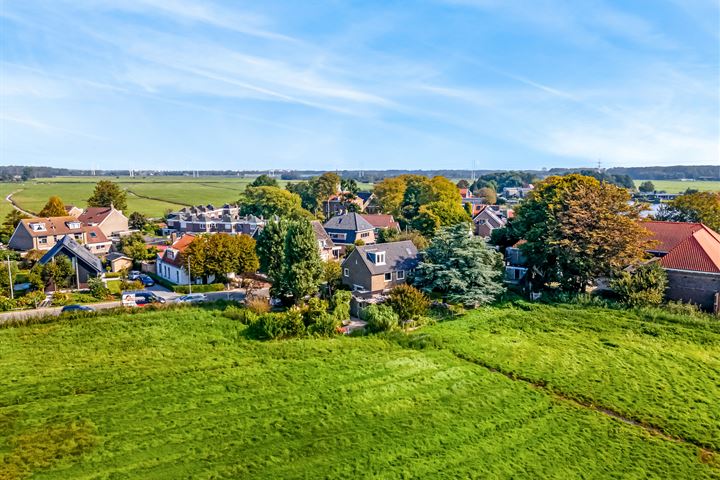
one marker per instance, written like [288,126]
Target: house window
[388,276]
[364,234]
[42,240]
[177,277]
[401,275]
[346,272]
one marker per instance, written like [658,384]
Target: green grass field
[677,186]
[151,195]
[186,395]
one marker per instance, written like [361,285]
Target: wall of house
[114,222]
[171,273]
[358,274]
[121,264]
[696,287]
[21,239]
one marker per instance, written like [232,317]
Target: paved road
[12,202]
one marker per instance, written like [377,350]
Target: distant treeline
[619,175]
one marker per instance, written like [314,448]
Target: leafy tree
[645,285]
[408,302]
[701,207]
[463,183]
[647,187]
[134,246]
[98,289]
[381,318]
[390,193]
[57,272]
[264,181]
[332,275]
[137,221]
[340,305]
[12,219]
[303,268]
[108,193]
[489,194]
[306,193]
[349,185]
[220,254]
[53,208]
[326,185]
[577,229]
[271,248]
[426,222]
[270,201]
[460,266]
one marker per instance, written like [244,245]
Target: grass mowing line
[707,452]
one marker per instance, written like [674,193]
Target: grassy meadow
[149,195]
[186,394]
[678,186]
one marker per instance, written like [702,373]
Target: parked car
[134,275]
[140,299]
[192,298]
[146,280]
[76,308]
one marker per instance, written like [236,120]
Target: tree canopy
[461,266]
[577,228]
[270,201]
[703,207]
[221,254]
[53,208]
[264,181]
[647,187]
[108,193]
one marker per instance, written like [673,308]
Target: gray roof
[321,234]
[398,256]
[350,221]
[72,248]
[115,255]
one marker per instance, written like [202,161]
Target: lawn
[152,196]
[184,394]
[677,186]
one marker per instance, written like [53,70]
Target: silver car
[192,298]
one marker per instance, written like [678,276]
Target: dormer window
[38,227]
[73,225]
[378,258]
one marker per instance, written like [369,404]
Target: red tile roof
[95,215]
[689,246]
[381,220]
[95,235]
[172,253]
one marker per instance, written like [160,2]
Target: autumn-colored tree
[488,194]
[108,193]
[577,229]
[53,208]
[703,207]
[389,193]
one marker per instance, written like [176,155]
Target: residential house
[515,264]
[328,249]
[487,220]
[43,233]
[340,203]
[73,211]
[465,193]
[85,264]
[516,192]
[349,228]
[475,204]
[119,262]
[690,255]
[381,221]
[111,221]
[373,269]
[171,265]
[209,219]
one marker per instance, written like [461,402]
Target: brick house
[486,220]
[690,255]
[43,233]
[347,229]
[328,249]
[339,204]
[372,269]
[110,220]
[381,221]
[209,219]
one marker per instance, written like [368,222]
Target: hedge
[211,287]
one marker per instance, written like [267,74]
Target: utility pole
[12,289]
[189,277]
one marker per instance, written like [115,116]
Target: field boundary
[157,199]
[16,206]
[707,453]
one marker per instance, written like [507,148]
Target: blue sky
[182,84]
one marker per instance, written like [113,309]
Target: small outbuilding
[119,261]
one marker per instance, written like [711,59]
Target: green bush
[340,305]
[381,318]
[6,303]
[211,287]
[325,326]
[241,314]
[681,308]
[272,326]
[408,302]
[113,274]
[314,309]
[31,299]
[644,286]
[98,289]
[130,285]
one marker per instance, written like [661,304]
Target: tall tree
[701,207]
[390,193]
[271,253]
[461,266]
[269,201]
[488,194]
[221,254]
[108,193]
[134,246]
[264,181]
[303,269]
[137,220]
[578,229]
[53,208]
[647,186]
[349,185]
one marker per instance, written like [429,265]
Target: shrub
[381,318]
[314,309]
[408,302]
[6,303]
[210,287]
[257,305]
[681,308]
[644,286]
[98,289]
[128,285]
[280,325]
[60,298]
[325,325]
[243,315]
[340,305]
[31,300]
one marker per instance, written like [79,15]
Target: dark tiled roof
[398,256]
[321,234]
[72,248]
[350,221]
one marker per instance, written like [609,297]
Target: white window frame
[346,272]
[386,277]
[400,275]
